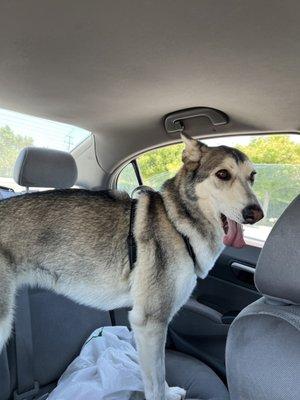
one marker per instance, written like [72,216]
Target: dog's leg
[150,340]
[7,300]
[150,337]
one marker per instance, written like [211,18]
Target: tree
[164,159]
[277,160]
[10,146]
[274,149]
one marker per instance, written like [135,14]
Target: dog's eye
[252,175]
[223,174]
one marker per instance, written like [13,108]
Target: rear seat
[56,327]
[59,328]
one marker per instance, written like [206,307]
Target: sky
[45,133]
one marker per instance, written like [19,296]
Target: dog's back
[62,239]
[58,219]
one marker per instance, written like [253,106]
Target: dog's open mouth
[233,233]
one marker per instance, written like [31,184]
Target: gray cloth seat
[194,376]
[263,344]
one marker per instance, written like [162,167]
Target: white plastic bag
[106,369]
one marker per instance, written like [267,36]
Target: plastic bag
[106,369]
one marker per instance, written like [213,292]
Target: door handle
[243,267]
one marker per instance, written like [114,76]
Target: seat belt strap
[27,388]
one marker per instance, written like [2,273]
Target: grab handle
[173,121]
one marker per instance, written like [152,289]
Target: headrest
[277,273]
[47,168]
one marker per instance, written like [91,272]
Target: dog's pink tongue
[234,237]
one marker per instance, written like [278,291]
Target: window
[277,161]
[127,180]
[156,166]
[18,131]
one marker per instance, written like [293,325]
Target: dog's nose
[252,214]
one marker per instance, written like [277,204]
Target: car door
[200,328]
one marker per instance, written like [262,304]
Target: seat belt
[27,388]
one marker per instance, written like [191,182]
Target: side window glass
[156,166]
[277,161]
[20,130]
[127,180]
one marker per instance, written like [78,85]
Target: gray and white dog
[75,243]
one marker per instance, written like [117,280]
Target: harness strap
[131,242]
[189,248]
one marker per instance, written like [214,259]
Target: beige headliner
[116,67]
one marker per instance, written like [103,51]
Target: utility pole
[69,139]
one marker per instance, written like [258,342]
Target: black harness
[131,242]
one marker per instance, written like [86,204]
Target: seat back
[263,345]
[59,329]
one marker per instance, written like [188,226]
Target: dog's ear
[193,152]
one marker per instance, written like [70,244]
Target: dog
[74,242]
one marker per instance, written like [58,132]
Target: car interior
[125,78]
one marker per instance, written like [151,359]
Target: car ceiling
[117,67]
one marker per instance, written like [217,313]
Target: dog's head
[222,177]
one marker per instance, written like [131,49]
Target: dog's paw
[175,393]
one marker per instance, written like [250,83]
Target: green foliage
[277,160]
[10,146]
[274,149]
[276,185]
[165,159]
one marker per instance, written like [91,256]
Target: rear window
[19,130]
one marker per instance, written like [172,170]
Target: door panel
[247,256]
[201,326]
